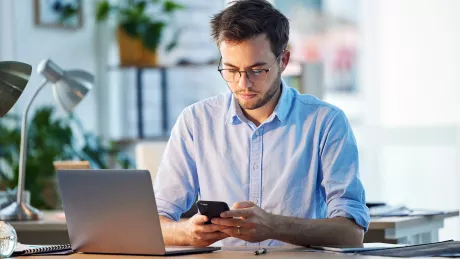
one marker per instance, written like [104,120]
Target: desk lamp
[69,88]
[13,80]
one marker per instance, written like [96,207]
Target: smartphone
[211,209]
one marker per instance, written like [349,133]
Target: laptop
[114,212]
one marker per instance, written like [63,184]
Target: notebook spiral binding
[46,249]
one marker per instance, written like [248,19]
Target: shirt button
[257,133]
[256,166]
[256,201]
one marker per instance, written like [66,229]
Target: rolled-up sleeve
[176,183]
[345,194]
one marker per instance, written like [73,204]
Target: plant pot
[132,51]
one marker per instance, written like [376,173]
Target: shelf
[131,141]
[185,65]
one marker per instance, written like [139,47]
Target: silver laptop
[114,212]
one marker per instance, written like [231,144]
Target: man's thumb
[199,219]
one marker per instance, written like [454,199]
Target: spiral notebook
[23,249]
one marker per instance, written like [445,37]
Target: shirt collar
[284,103]
[234,112]
[281,110]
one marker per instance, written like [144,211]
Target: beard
[255,104]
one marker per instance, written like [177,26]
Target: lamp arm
[23,151]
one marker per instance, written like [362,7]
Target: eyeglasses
[254,75]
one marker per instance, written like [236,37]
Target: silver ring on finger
[238,229]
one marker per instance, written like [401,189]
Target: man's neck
[259,115]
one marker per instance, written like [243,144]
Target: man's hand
[249,222]
[246,221]
[200,234]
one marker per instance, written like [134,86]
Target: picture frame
[64,14]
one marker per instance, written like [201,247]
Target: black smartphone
[211,209]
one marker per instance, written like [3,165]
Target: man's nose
[244,81]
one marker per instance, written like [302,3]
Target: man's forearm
[173,232]
[304,232]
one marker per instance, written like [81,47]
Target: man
[287,162]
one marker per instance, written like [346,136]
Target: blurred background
[391,65]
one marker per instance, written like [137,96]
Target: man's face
[252,54]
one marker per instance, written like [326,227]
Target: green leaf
[102,10]
[170,6]
[131,29]
[151,37]
[68,11]
[174,41]
[140,6]
[128,14]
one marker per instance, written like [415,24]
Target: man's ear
[285,57]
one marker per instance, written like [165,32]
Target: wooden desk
[409,230]
[281,253]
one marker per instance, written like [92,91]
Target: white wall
[6,30]
[412,60]
[422,38]
[22,41]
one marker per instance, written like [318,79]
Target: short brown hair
[245,19]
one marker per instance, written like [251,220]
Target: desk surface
[55,220]
[284,253]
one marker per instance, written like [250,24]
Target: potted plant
[50,138]
[139,30]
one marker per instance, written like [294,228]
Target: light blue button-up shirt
[302,161]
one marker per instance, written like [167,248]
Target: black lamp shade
[14,77]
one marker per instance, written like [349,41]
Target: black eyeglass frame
[266,70]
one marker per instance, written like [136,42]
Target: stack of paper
[366,247]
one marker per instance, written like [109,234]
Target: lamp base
[19,212]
